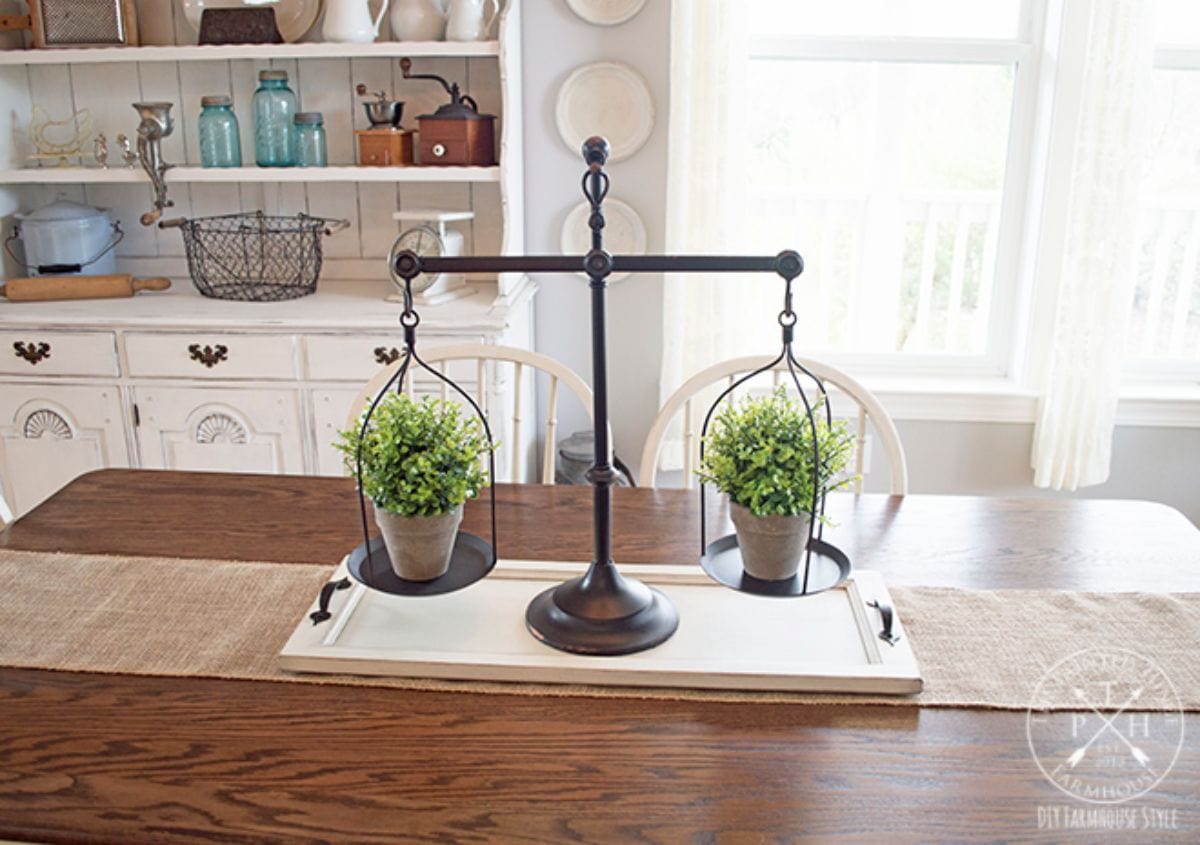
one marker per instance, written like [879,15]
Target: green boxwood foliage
[418,458]
[759,451]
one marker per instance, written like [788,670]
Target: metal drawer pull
[886,615]
[32,352]
[209,356]
[386,356]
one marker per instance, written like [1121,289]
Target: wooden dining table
[88,757]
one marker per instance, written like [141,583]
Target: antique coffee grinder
[456,134]
[386,143]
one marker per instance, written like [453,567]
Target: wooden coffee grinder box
[455,134]
[384,147]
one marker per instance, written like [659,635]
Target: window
[1164,332]
[896,141]
[891,146]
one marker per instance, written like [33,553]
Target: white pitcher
[471,20]
[418,20]
[349,21]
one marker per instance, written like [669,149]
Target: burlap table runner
[224,619]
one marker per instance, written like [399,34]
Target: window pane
[1177,22]
[929,18]
[1166,305]
[887,177]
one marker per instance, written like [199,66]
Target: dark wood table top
[114,758]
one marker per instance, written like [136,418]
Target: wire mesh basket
[253,257]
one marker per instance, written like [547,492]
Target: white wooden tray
[827,642]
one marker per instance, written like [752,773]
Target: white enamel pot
[66,237]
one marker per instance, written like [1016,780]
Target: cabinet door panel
[330,409]
[51,434]
[220,429]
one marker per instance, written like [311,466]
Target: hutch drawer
[41,353]
[206,355]
[357,359]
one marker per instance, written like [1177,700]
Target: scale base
[601,613]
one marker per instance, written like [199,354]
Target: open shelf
[185,175]
[258,52]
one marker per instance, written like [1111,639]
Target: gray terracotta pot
[420,546]
[771,546]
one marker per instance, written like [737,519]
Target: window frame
[1009,286]
[1003,383]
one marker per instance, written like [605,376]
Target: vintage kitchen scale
[430,238]
[490,618]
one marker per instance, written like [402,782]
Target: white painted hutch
[120,386]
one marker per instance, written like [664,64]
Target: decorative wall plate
[293,17]
[624,232]
[606,12]
[609,99]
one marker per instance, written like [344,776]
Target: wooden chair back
[689,400]
[486,360]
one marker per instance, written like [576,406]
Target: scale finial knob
[595,152]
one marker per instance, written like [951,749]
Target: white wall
[555,42]
[1160,464]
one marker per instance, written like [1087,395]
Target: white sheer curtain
[1073,438]
[705,187]
[707,319]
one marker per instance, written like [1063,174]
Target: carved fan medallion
[47,423]
[220,428]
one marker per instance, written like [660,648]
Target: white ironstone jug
[418,20]
[471,20]
[349,21]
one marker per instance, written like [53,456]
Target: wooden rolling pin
[39,288]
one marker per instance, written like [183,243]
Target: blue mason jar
[274,109]
[220,144]
[309,139]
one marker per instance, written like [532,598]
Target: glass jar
[274,108]
[309,139]
[220,144]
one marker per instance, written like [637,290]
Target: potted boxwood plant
[759,452]
[420,462]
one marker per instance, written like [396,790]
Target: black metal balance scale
[601,612]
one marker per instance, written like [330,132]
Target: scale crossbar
[620,264]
